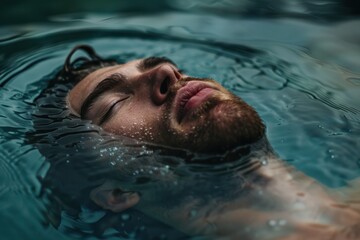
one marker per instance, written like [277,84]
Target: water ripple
[311,110]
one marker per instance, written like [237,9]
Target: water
[297,64]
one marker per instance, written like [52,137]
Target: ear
[113,198]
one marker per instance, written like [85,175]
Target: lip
[191,96]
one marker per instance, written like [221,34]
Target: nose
[162,78]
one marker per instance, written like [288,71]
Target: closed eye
[106,117]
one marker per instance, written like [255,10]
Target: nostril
[165,85]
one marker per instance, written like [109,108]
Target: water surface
[301,75]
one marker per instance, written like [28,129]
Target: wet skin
[151,100]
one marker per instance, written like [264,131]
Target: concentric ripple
[47,158]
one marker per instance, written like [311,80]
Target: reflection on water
[306,93]
[317,10]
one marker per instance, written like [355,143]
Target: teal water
[298,67]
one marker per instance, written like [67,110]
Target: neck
[265,200]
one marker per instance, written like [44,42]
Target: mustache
[180,83]
[188,79]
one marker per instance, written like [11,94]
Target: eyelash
[110,111]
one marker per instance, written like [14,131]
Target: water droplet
[125,217]
[272,223]
[336,133]
[277,223]
[282,222]
[298,205]
[193,213]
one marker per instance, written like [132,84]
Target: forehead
[79,93]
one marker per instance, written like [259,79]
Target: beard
[217,126]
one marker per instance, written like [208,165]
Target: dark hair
[79,155]
[52,121]
[75,71]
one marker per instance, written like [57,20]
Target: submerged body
[151,100]
[271,201]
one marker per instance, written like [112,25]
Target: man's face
[151,100]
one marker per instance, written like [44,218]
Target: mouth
[190,97]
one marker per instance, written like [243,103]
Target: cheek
[140,124]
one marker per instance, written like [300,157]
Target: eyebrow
[102,87]
[152,62]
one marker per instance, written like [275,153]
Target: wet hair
[79,155]
[52,122]
[75,71]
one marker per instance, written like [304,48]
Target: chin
[221,127]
